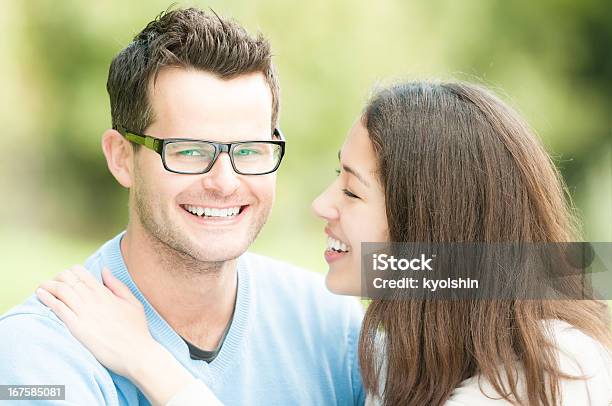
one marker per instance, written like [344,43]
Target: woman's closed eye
[350,194]
[347,192]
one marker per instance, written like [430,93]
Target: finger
[66,276]
[84,275]
[65,293]
[118,287]
[57,306]
[72,279]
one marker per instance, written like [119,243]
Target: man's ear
[119,157]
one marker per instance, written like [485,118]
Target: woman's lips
[332,256]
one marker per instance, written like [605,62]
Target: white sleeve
[195,394]
[578,355]
[471,392]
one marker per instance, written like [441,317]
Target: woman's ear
[119,156]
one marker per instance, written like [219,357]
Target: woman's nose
[324,207]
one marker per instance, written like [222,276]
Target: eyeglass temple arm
[148,142]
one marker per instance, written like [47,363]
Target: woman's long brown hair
[458,165]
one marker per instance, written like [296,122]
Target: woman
[432,163]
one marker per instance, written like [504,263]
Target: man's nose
[221,177]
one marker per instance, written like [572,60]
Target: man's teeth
[336,245]
[211,212]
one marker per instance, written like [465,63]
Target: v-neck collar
[164,334]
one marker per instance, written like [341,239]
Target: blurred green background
[551,59]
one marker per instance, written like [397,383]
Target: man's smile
[208,214]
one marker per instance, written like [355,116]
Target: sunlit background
[551,59]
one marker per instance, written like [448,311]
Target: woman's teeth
[210,212]
[333,244]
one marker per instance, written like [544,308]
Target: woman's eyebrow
[354,173]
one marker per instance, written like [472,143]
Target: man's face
[190,103]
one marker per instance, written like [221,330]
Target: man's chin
[218,253]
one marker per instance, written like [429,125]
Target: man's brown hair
[187,38]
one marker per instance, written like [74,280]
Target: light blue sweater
[291,342]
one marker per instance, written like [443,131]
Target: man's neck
[195,298]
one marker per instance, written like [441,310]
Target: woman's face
[354,208]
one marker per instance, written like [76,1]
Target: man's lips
[225,214]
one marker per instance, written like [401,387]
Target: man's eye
[246,152]
[337,171]
[350,194]
[190,152]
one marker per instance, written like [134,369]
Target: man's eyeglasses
[189,156]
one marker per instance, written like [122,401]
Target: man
[253,329]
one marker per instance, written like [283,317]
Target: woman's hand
[107,319]
[111,323]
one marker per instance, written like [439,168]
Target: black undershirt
[199,354]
